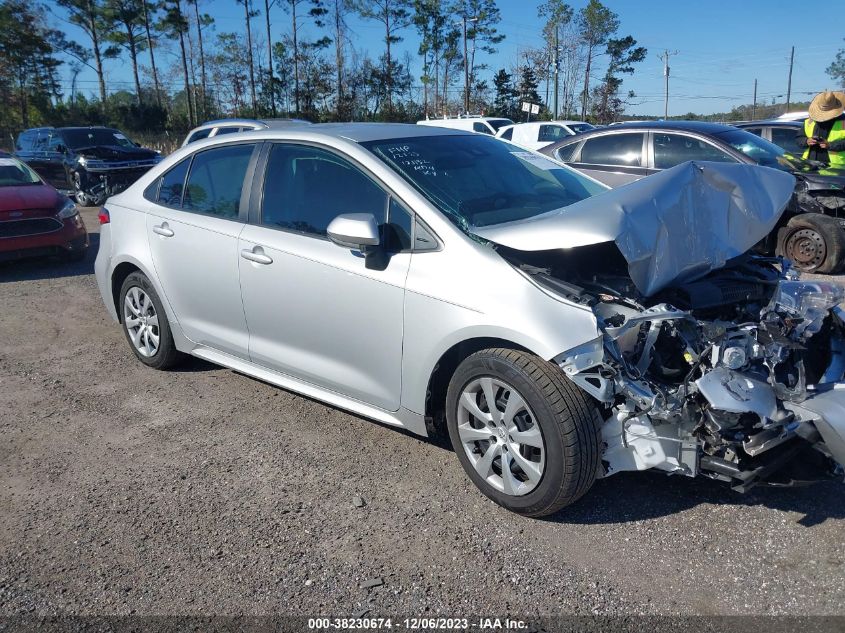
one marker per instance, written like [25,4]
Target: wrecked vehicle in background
[88,164]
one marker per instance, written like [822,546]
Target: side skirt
[408,420]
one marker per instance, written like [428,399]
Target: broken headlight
[805,303]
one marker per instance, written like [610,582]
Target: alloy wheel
[501,436]
[141,321]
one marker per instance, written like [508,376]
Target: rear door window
[614,149]
[674,149]
[216,180]
[551,133]
[754,130]
[25,141]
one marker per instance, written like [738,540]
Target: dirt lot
[201,491]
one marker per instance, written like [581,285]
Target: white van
[537,134]
[481,124]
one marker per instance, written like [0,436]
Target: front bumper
[71,237]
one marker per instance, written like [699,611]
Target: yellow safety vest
[837,133]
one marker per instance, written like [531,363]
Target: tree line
[181,70]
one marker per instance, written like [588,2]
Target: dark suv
[87,163]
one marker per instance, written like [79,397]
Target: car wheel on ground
[526,436]
[145,323]
[813,242]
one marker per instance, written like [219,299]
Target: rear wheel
[526,436]
[813,242]
[145,323]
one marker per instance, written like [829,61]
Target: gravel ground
[201,491]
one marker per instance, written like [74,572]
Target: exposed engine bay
[732,376]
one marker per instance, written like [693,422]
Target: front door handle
[256,256]
[163,230]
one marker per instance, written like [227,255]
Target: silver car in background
[439,280]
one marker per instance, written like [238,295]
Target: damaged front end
[734,392]
[707,360]
[101,172]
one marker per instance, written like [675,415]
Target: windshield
[757,149]
[87,137]
[480,181]
[580,127]
[14,173]
[497,123]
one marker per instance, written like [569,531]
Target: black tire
[814,243]
[166,356]
[568,420]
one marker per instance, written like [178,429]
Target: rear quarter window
[199,135]
[167,190]
[565,153]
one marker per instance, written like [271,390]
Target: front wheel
[145,323]
[83,198]
[525,435]
[815,243]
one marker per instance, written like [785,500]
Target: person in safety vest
[824,131]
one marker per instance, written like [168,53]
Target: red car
[35,219]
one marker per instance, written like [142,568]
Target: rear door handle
[256,256]
[163,230]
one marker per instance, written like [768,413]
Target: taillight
[104,216]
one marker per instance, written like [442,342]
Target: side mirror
[61,149]
[354,230]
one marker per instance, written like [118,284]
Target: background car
[470,123]
[810,232]
[35,219]
[781,132]
[210,129]
[537,134]
[88,163]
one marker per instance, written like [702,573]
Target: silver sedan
[445,282]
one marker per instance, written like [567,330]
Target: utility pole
[466,63]
[754,107]
[789,84]
[665,57]
[557,68]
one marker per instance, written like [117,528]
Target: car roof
[783,122]
[703,127]
[85,127]
[364,132]
[259,122]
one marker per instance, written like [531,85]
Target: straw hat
[827,105]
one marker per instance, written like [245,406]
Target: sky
[718,51]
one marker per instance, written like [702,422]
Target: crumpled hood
[674,226]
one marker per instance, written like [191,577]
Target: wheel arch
[119,275]
[444,368]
